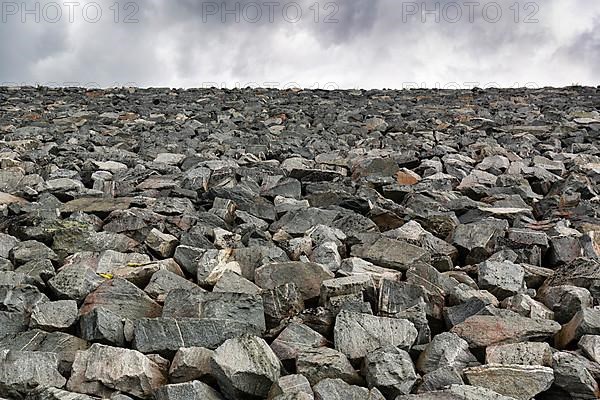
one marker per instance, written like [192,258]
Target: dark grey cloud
[349,43]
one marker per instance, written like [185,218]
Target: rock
[320,363]
[337,389]
[390,253]
[289,385]
[502,279]
[446,350]
[521,382]
[293,339]
[162,244]
[571,379]
[12,322]
[129,372]
[189,390]
[439,379]
[390,370]
[239,307]
[281,302]
[477,240]
[245,367]
[167,335]
[31,250]
[41,271]
[307,277]
[63,345]
[102,326]
[526,353]
[123,299]
[527,307]
[231,282]
[164,281]
[487,330]
[356,334]
[566,301]
[23,371]
[74,282]
[7,243]
[52,393]
[590,344]
[20,298]
[190,364]
[57,315]
[344,286]
[585,322]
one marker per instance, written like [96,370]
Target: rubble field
[295,245]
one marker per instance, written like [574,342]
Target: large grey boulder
[245,367]
[23,371]
[307,277]
[167,335]
[187,391]
[189,364]
[320,363]
[521,382]
[128,371]
[446,350]
[357,334]
[390,370]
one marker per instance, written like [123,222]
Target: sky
[302,43]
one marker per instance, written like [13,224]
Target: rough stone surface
[245,367]
[356,334]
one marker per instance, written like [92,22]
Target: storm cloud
[306,43]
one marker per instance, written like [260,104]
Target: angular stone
[41,271]
[74,282]
[307,277]
[190,364]
[356,334]
[439,379]
[344,286]
[282,302]
[12,322]
[566,301]
[56,315]
[585,322]
[20,298]
[338,389]
[128,371]
[187,391]
[245,367]
[293,339]
[31,250]
[167,335]
[390,370]
[7,242]
[571,379]
[63,345]
[320,363]
[123,299]
[521,382]
[525,353]
[502,279]
[524,305]
[164,281]
[52,393]
[102,326]
[446,350]
[232,282]
[162,244]
[240,307]
[487,330]
[390,253]
[590,344]
[290,385]
[477,240]
[22,371]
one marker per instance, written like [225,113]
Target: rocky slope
[251,244]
